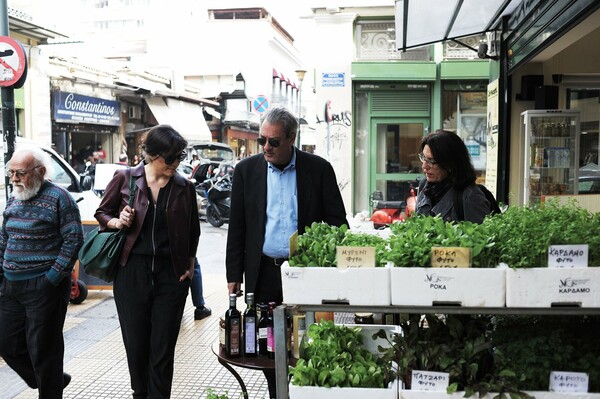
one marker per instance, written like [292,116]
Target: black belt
[275,261]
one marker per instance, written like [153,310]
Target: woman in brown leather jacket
[157,261]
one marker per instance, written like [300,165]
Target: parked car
[213,152]
[589,184]
[213,156]
[185,169]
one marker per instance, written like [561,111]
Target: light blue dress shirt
[282,209]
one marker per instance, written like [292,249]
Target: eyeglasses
[20,173]
[272,142]
[430,162]
[169,159]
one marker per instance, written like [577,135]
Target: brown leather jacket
[182,214]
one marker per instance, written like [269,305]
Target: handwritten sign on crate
[562,256]
[429,381]
[566,381]
[355,257]
[450,257]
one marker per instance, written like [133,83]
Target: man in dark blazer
[275,193]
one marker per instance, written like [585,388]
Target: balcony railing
[376,41]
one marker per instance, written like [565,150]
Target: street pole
[300,74]
[8,104]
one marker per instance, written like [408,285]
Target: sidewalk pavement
[95,357]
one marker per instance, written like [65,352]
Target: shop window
[464,110]
[588,102]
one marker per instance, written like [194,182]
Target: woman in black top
[157,261]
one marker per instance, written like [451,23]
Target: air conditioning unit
[134,112]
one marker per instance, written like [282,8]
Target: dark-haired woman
[157,261]
[448,174]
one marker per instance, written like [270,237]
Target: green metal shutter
[401,103]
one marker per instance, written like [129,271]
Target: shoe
[201,313]
[66,380]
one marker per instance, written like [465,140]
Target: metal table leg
[281,353]
[237,377]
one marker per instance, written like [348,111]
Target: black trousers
[150,302]
[32,316]
[269,289]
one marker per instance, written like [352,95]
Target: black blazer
[319,200]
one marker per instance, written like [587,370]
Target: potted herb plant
[312,275]
[335,363]
[414,282]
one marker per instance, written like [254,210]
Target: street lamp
[300,74]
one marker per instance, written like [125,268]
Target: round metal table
[256,363]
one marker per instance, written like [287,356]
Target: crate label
[563,256]
[293,243]
[429,381]
[452,257]
[566,381]
[292,272]
[355,257]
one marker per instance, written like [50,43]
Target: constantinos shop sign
[75,108]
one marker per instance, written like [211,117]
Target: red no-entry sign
[13,63]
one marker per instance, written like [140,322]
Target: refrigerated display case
[551,153]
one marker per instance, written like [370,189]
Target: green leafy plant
[317,246]
[523,234]
[533,346]
[456,344]
[411,242]
[519,237]
[213,395]
[333,356]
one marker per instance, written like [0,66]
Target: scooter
[219,200]
[386,212]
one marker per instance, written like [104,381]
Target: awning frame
[489,27]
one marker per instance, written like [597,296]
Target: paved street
[95,356]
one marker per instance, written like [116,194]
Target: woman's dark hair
[164,140]
[451,154]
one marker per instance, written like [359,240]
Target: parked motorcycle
[388,212]
[218,194]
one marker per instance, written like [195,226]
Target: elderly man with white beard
[40,237]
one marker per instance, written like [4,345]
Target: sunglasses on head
[169,159]
[272,142]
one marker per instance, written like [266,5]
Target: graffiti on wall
[343,118]
[338,125]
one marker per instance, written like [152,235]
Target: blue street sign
[260,104]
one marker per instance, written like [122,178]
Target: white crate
[425,286]
[407,394]
[323,285]
[391,392]
[546,287]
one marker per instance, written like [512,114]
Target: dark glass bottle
[289,332]
[233,328]
[250,323]
[262,330]
[270,331]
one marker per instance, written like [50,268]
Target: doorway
[395,166]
